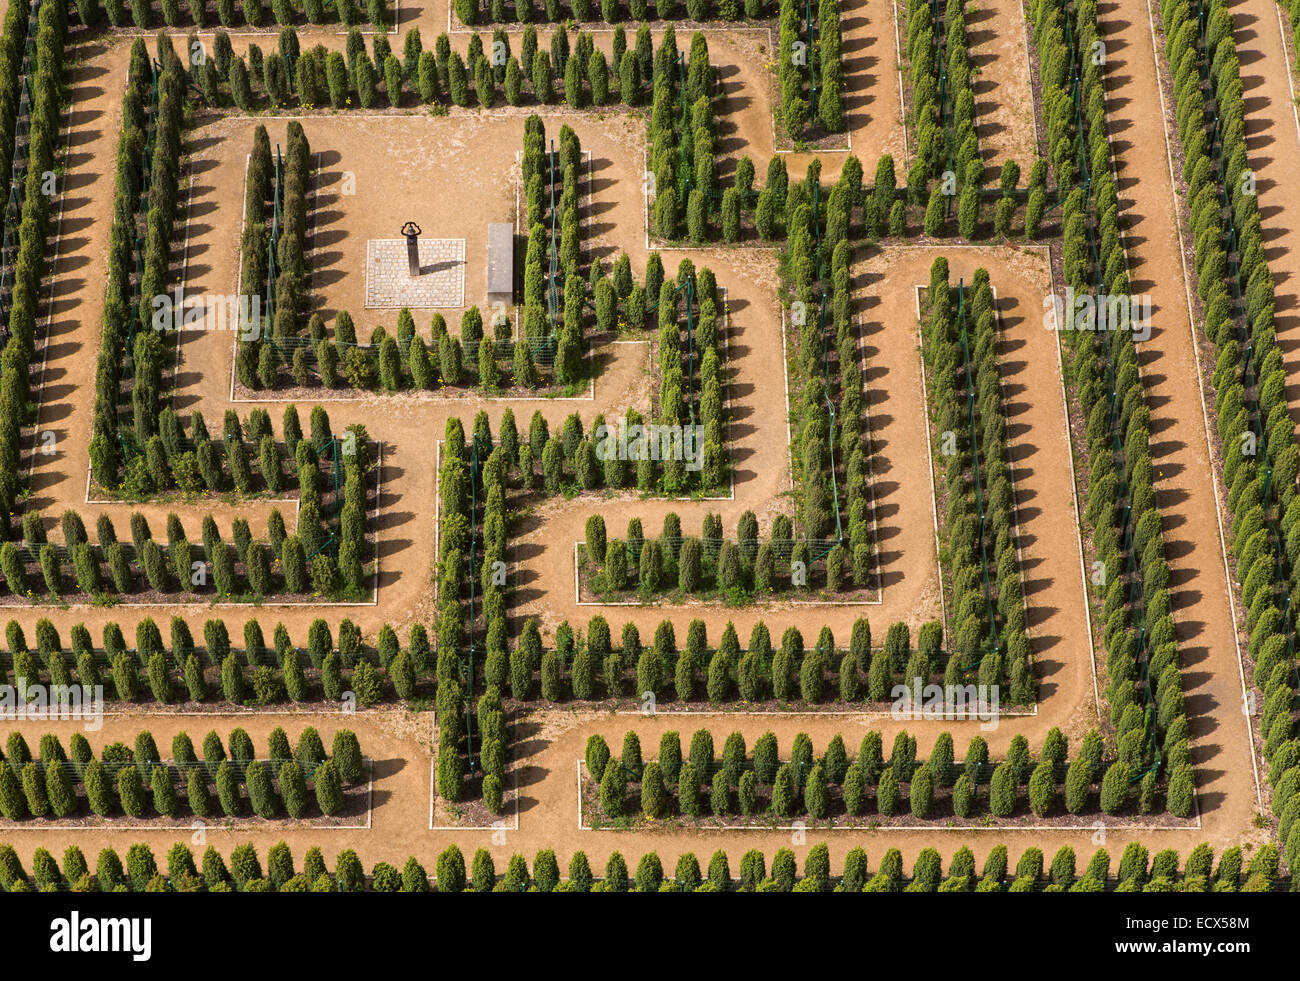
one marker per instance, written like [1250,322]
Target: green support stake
[478,448]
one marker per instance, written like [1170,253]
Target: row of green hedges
[259,673]
[315,78]
[886,209]
[48,786]
[1260,455]
[472,479]
[238,748]
[562,344]
[682,135]
[13,46]
[286,301]
[590,666]
[798,65]
[696,157]
[924,50]
[979,517]
[691,353]
[131,351]
[217,646]
[23,302]
[296,564]
[746,566]
[246,459]
[827,392]
[1138,871]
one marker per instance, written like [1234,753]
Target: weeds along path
[1185,481]
[1272,141]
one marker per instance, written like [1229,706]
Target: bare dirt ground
[1185,480]
[996,31]
[548,744]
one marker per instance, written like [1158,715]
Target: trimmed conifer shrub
[329,788]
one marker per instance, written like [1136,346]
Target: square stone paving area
[441,282]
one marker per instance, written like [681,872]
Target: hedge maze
[639,550]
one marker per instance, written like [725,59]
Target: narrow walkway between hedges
[1185,485]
